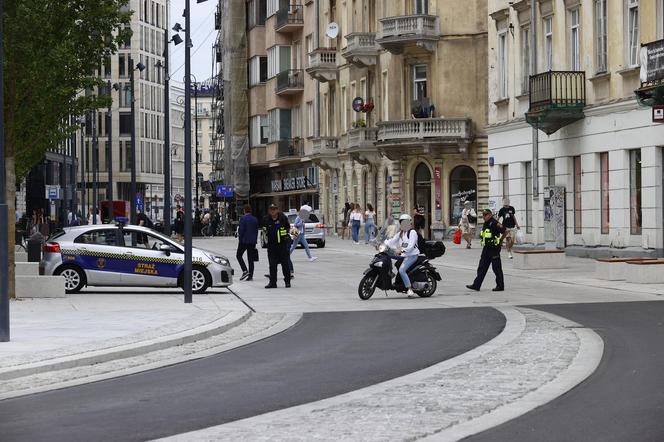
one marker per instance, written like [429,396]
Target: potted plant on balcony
[359,123]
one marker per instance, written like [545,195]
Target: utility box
[35,244]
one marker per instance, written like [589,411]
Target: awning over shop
[287,193]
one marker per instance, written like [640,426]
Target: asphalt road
[324,355]
[623,400]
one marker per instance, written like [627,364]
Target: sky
[203,36]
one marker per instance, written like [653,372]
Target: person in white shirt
[369,224]
[355,222]
[467,223]
[406,240]
[94,214]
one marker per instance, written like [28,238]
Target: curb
[226,322]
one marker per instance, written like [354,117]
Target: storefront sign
[288,184]
[276,185]
[652,61]
[224,191]
[437,188]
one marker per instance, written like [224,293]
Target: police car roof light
[121,219]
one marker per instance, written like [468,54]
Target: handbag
[253,255]
[457,237]
[520,237]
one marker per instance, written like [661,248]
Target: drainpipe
[317,82]
[533,71]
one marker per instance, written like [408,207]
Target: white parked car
[126,255]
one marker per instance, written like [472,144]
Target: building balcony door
[422,196]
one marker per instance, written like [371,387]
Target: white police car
[124,255]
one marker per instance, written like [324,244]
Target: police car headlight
[220,260]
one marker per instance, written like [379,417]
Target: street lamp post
[4,212]
[95,167]
[132,189]
[72,173]
[109,150]
[196,144]
[188,243]
[84,167]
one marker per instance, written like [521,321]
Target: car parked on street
[314,230]
[126,255]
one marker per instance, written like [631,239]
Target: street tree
[54,52]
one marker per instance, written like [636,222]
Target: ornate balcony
[326,152]
[323,64]
[290,82]
[432,136]
[361,49]
[409,31]
[557,98]
[362,145]
[289,19]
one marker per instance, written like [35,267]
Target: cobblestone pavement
[256,327]
[448,401]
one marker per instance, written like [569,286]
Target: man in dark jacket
[276,228]
[491,238]
[247,235]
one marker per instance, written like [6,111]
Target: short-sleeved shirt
[496,232]
[507,216]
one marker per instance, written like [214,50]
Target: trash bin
[35,244]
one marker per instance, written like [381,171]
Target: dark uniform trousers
[278,255]
[490,257]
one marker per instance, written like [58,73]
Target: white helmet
[405,217]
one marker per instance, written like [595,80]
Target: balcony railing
[325,143]
[559,89]
[290,148]
[289,18]
[423,30]
[361,48]
[423,128]
[290,81]
[362,137]
[323,64]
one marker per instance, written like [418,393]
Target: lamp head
[116,86]
[140,66]
[178,27]
[176,39]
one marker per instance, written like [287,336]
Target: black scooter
[423,276]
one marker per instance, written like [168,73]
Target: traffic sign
[225,191]
[358,104]
[53,192]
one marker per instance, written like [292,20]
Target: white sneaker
[510,255]
[312,259]
[410,293]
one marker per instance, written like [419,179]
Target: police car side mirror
[166,249]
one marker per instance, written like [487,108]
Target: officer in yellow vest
[491,238]
[276,228]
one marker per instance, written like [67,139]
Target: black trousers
[490,257]
[278,256]
[241,248]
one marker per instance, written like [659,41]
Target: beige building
[403,89]
[598,147]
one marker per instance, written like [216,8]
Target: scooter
[422,274]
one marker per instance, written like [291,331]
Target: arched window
[354,186]
[463,187]
[365,188]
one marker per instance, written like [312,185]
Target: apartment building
[281,104]
[148,23]
[595,179]
[403,88]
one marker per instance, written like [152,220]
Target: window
[660,19]
[502,65]
[577,194]
[309,43]
[345,108]
[107,67]
[604,190]
[463,187]
[551,172]
[257,70]
[421,6]
[310,118]
[125,123]
[256,13]
[635,191]
[353,94]
[525,60]
[601,48]
[547,28]
[574,40]
[385,95]
[419,81]
[98,237]
[279,122]
[272,7]
[529,197]
[506,181]
[633,32]
[297,122]
[278,60]
[122,66]
[313,175]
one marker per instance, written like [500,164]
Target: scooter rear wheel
[367,286]
[432,284]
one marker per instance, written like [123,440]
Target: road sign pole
[4,210]
[188,243]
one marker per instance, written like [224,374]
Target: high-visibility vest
[487,238]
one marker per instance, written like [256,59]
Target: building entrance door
[422,197]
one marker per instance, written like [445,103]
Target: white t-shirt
[356,216]
[407,241]
[370,215]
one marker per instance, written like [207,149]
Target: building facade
[403,88]
[597,180]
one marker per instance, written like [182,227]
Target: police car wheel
[74,278]
[200,280]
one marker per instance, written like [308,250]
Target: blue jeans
[301,240]
[369,229]
[355,226]
[407,263]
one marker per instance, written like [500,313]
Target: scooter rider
[406,239]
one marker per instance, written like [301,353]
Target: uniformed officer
[276,228]
[491,238]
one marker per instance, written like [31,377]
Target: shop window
[604,190]
[635,191]
[577,194]
[463,187]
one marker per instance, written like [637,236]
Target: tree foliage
[52,52]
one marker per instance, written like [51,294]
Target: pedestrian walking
[467,223]
[491,239]
[369,224]
[346,217]
[356,222]
[179,223]
[247,237]
[298,232]
[276,228]
[506,217]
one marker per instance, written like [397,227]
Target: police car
[124,255]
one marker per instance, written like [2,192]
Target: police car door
[150,266]
[98,254]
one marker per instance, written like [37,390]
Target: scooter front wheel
[367,286]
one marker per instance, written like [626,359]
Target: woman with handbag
[467,223]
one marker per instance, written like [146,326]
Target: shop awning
[287,193]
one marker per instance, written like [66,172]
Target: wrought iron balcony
[408,31]
[404,137]
[289,18]
[361,49]
[323,64]
[291,148]
[325,152]
[290,82]
[557,98]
